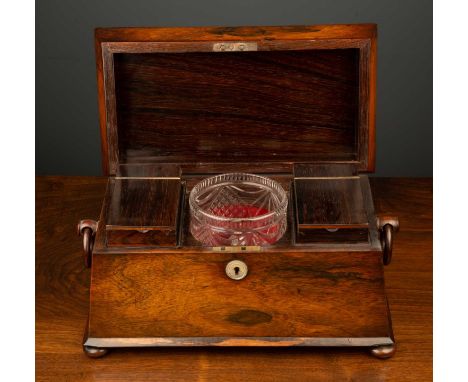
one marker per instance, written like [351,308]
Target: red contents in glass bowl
[243,212]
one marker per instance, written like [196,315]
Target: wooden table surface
[62,285]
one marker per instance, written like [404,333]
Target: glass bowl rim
[281,208]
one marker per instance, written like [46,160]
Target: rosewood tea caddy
[294,104]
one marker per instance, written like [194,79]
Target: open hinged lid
[237,95]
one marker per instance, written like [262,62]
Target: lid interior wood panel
[220,107]
[304,94]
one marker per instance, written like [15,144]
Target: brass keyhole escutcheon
[236,269]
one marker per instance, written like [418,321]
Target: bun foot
[384,351]
[94,352]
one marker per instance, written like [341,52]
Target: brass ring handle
[87,229]
[87,240]
[388,225]
[387,243]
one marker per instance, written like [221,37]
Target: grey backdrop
[67,130]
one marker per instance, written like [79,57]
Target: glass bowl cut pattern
[238,210]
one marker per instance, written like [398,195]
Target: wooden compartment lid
[245,94]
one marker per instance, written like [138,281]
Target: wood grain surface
[143,211]
[277,105]
[320,170]
[320,295]
[292,32]
[62,285]
[329,204]
[307,94]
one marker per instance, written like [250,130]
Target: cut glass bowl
[238,209]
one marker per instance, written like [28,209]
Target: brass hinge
[234,249]
[234,46]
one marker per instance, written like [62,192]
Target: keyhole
[236,269]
